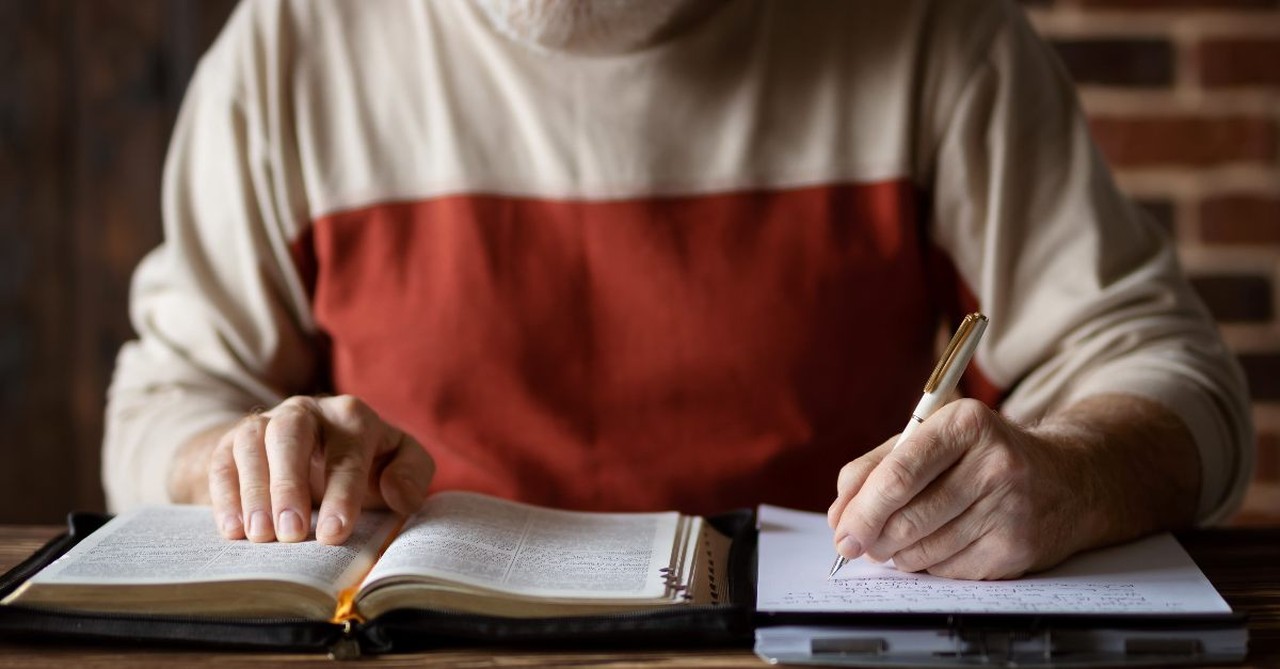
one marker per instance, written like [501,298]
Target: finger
[345,481]
[404,481]
[990,557]
[224,489]
[291,436]
[251,464]
[851,478]
[948,540]
[893,484]
[904,472]
[943,500]
[348,456]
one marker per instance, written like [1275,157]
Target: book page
[1151,576]
[492,543]
[180,544]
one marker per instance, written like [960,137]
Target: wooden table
[1243,563]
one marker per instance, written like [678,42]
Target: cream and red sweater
[699,275]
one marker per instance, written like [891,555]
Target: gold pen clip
[953,347]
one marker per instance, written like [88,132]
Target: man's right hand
[264,473]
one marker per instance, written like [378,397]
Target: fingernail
[329,527]
[289,526]
[849,548]
[259,525]
[230,524]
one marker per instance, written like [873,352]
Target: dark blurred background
[88,94]
[1184,97]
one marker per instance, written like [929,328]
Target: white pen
[944,379]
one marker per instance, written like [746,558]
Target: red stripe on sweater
[699,352]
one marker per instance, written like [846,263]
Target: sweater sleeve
[220,312]
[1084,294]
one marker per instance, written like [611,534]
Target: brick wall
[1184,99]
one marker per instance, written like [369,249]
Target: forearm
[155,408]
[1134,461]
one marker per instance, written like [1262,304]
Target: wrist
[1077,455]
[1135,463]
[188,481]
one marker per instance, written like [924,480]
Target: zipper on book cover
[151,618]
[157,623]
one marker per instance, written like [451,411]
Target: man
[687,253]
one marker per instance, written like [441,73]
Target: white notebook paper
[1150,576]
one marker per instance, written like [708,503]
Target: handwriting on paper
[913,595]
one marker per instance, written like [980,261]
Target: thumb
[406,477]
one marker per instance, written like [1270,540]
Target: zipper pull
[348,646]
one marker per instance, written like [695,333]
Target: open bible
[463,552]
